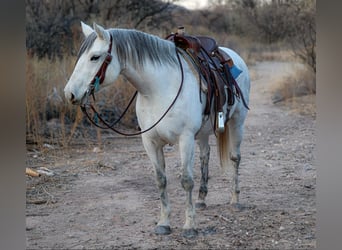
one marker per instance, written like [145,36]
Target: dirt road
[106,198]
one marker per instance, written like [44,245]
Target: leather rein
[95,85]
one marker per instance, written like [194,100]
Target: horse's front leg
[186,147]
[203,143]
[155,153]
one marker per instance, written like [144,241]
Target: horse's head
[96,64]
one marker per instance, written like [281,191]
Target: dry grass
[253,52]
[297,91]
[301,83]
[51,119]
[44,102]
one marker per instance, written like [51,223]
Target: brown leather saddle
[214,66]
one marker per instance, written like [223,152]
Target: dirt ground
[105,197]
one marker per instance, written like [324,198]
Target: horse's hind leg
[155,153]
[203,143]
[235,136]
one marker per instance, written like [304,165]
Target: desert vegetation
[258,30]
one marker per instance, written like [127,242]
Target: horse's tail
[223,148]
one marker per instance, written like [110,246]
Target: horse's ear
[86,29]
[101,32]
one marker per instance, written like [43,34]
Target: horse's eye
[94,58]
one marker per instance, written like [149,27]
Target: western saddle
[214,66]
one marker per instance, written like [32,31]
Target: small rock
[269,165]
[45,171]
[45,145]
[277,97]
[307,167]
[96,150]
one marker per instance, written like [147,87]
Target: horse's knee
[187,183]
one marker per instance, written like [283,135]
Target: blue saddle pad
[235,71]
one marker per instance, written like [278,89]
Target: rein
[98,79]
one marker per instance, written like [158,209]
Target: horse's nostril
[72,97]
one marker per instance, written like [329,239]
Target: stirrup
[220,122]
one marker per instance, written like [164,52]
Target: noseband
[101,73]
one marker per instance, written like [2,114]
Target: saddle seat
[208,43]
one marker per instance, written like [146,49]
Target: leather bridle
[101,73]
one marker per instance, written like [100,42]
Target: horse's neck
[150,81]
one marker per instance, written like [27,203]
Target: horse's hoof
[162,230]
[201,205]
[190,233]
